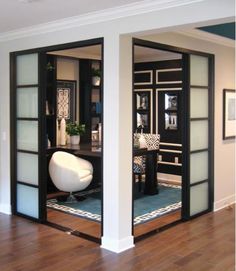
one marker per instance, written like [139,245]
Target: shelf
[143,110]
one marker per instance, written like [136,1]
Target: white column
[117,166]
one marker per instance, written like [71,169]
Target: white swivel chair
[70,173]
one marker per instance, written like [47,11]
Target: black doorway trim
[41,51]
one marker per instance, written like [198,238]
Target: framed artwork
[66,99]
[143,110]
[171,101]
[142,101]
[142,120]
[229,115]
[171,121]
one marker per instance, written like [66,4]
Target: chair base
[71,199]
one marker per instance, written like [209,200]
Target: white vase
[63,132]
[96,80]
[75,139]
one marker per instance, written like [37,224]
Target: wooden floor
[156,223]
[93,228]
[74,222]
[203,244]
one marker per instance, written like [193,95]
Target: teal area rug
[146,207]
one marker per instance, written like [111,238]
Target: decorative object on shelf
[47,108]
[100,132]
[229,113]
[74,130]
[95,135]
[96,77]
[63,132]
[57,133]
[50,67]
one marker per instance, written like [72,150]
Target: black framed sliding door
[27,135]
[199,155]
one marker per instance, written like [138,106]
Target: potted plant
[74,130]
[96,77]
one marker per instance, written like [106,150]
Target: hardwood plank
[156,223]
[205,243]
[74,222]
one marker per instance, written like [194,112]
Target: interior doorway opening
[74,95]
[57,93]
[158,120]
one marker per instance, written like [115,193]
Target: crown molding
[95,17]
[199,34]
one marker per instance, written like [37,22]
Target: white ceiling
[16,14]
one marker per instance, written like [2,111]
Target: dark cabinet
[90,97]
[50,106]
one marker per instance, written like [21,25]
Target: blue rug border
[51,203]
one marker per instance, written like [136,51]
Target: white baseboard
[117,246]
[169,178]
[5,209]
[225,202]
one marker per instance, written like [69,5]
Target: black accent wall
[162,83]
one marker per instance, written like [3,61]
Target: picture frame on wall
[66,99]
[171,101]
[229,114]
[142,101]
[171,122]
[142,120]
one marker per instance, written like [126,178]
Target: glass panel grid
[198,135]
[198,167]
[198,70]
[198,198]
[199,103]
[27,135]
[27,200]
[27,69]
[27,168]
[27,102]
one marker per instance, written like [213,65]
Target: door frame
[42,185]
[185,210]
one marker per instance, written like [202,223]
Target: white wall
[224,78]
[117,93]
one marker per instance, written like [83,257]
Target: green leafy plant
[50,67]
[73,128]
[96,72]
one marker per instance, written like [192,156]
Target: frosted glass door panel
[27,102]
[199,135]
[199,103]
[27,69]
[27,200]
[198,70]
[27,135]
[198,198]
[198,167]
[27,168]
